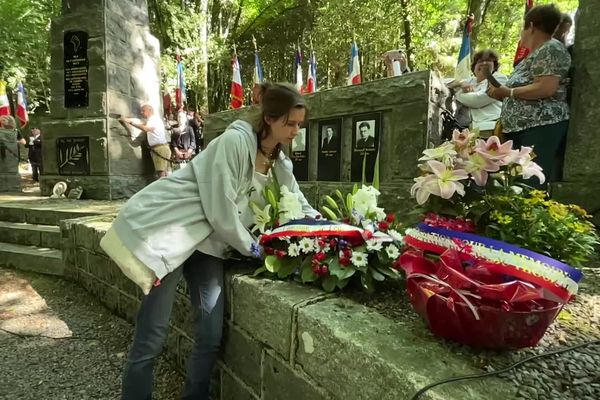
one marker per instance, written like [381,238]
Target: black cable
[487,374]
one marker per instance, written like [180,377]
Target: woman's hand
[498,93]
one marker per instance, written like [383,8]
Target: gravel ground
[573,375]
[58,342]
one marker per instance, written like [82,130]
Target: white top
[259,181]
[484,110]
[158,134]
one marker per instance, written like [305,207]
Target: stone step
[30,234]
[44,214]
[31,258]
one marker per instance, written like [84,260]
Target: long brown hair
[276,101]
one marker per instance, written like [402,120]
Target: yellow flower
[501,218]
[538,194]
[557,210]
[577,210]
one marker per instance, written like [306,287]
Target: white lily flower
[262,217]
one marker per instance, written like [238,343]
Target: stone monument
[105,63]
[10,181]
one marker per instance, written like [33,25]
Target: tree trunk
[203,67]
[407,32]
[479,9]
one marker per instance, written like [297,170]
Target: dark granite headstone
[330,146]
[73,155]
[366,131]
[76,66]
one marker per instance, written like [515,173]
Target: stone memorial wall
[395,117]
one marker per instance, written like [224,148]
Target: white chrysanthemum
[392,252]
[306,245]
[395,235]
[293,250]
[290,207]
[359,259]
[373,245]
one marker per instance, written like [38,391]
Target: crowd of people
[173,142]
[531,106]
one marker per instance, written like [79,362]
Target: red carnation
[390,218]
[320,256]
[345,261]
[269,250]
[280,253]
[383,225]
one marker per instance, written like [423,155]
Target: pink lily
[493,149]
[424,186]
[529,168]
[447,180]
[478,165]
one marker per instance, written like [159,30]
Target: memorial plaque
[76,67]
[299,154]
[73,155]
[330,154]
[366,130]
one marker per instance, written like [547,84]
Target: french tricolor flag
[463,68]
[22,106]
[4,104]
[354,68]
[237,90]
[299,80]
[311,81]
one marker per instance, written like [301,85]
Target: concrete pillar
[84,144]
[582,162]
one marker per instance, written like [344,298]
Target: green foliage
[557,230]
[24,29]
[204,32]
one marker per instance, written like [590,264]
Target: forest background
[204,32]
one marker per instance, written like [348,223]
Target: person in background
[157,139]
[484,110]
[562,30]
[535,110]
[185,224]
[33,142]
[183,145]
[395,63]
[194,121]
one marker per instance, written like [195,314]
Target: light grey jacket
[199,207]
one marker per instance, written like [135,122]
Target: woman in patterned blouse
[535,111]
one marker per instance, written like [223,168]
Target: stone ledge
[378,358]
[287,341]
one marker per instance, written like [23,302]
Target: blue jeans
[204,276]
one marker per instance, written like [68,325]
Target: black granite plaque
[366,130]
[299,154]
[76,69]
[73,155]
[330,154]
